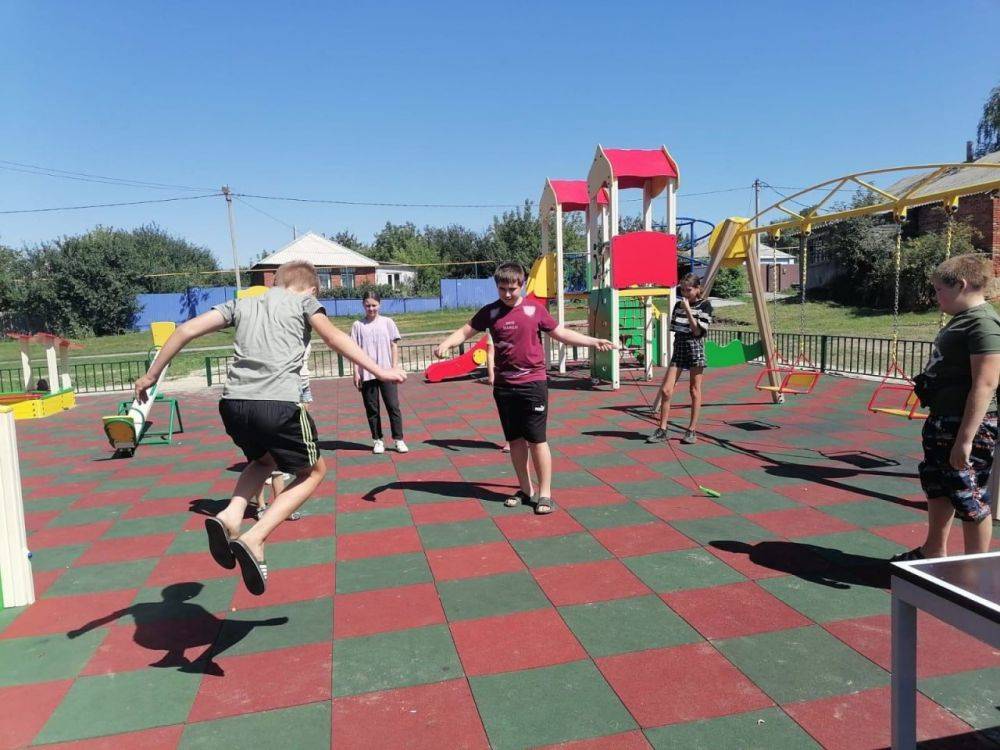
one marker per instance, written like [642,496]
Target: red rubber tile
[628,473]
[912,535]
[26,708]
[738,463]
[287,585]
[721,481]
[61,536]
[189,477]
[732,611]
[161,506]
[191,566]
[390,498]
[446,512]
[47,489]
[172,643]
[808,493]
[941,649]
[45,578]
[125,548]
[426,717]
[266,681]
[161,738]
[114,497]
[586,497]
[60,614]
[684,683]
[519,526]
[384,610]
[584,583]
[745,565]
[37,520]
[628,741]
[473,561]
[307,527]
[861,720]
[795,522]
[507,643]
[684,508]
[378,543]
[643,539]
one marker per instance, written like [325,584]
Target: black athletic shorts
[524,410]
[282,428]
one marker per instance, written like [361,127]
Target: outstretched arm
[208,322]
[565,335]
[463,334]
[77,632]
[339,341]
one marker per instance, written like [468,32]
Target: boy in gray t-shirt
[260,405]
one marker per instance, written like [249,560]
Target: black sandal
[917,553]
[518,498]
[218,543]
[254,571]
[544,506]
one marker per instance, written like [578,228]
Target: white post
[232,234]
[671,217]
[647,208]
[647,313]
[65,381]
[52,365]
[15,567]
[616,357]
[26,376]
[560,286]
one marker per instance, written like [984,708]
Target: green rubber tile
[86,579]
[606,516]
[428,465]
[306,727]
[488,471]
[653,489]
[381,572]
[560,550]
[672,468]
[872,513]
[461,534]
[194,490]
[472,598]
[432,495]
[549,705]
[852,548]
[602,460]
[497,508]
[184,600]
[51,558]
[300,553]
[132,483]
[8,615]
[45,658]
[748,502]
[566,480]
[88,515]
[972,696]
[802,664]
[683,569]
[622,625]
[192,540]
[769,478]
[318,506]
[250,631]
[150,525]
[373,520]
[392,660]
[123,702]
[705,530]
[823,603]
[361,486]
[50,503]
[770,729]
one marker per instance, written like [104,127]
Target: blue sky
[464,103]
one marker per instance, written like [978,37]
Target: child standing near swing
[689,323]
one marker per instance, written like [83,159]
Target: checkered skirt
[688,352]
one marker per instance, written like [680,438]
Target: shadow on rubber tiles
[823,565]
[464,490]
[457,444]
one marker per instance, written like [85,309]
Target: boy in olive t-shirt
[958,386]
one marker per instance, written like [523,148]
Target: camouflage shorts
[968,488]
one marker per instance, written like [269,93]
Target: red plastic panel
[456,367]
[572,194]
[632,166]
[644,259]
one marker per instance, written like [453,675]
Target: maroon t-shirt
[518,356]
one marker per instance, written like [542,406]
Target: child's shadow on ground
[174,625]
[456,444]
[823,565]
[207,506]
[457,490]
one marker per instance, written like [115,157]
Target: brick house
[336,265]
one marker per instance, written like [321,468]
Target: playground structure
[57,394]
[736,241]
[131,425]
[456,367]
[17,587]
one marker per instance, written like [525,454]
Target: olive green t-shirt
[949,370]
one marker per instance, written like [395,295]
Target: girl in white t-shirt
[379,337]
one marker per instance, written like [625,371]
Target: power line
[336,202]
[15,166]
[265,213]
[110,205]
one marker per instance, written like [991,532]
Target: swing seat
[794,381]
[910,408]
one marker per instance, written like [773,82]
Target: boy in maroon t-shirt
[520,386]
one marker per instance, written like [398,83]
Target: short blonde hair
[976,270]
[297,274]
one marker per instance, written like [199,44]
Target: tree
[350,241]
[514,236]
[457,244]
[988,132]
[391,241]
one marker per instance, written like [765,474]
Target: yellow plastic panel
[161,332]
[251,291]
[737,252]
[542,278]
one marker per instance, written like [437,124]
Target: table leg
[904,675]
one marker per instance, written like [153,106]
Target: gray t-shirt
[375,337]
[272,332]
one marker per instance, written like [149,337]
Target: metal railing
[87,377]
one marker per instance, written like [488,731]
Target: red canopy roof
[44,338]
[572,194]
[632,166]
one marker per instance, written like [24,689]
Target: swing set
[734,242]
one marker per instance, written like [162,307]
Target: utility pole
[232,234]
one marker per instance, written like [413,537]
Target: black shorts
[524,410]
[968,488]
[283,429]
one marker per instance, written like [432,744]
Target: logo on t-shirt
[529,310]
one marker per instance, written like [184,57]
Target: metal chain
[947,252]
[802,296]
[898,261]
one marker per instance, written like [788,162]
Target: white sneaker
[402,447]
[378,447]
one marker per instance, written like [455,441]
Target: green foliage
[384,291]
[514,236]
[919,257]
[351,242]
[457,244]
[730,283]
[392,241]
[988,132]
